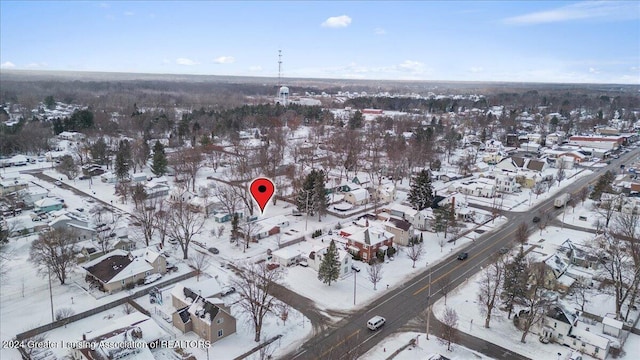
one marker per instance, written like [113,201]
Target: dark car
[536,219]
[214,250]
[227,291]
[503,250]
[463,256]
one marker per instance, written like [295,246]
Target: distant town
[410,220]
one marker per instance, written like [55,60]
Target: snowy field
[423,348]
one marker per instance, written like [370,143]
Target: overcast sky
[539,41]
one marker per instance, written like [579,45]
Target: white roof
[359,194]
[407,210]
[589,337]
[136,267]
[612,322]
[205,288]
[47,202]
[287,253]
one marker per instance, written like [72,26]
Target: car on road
[227,290]
[536,219]
[303,263]
[58,182]
[376,322]
[214,250]
[463,255]
[503,250]
[152,278]
[355,268]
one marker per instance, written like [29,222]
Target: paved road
[350,338]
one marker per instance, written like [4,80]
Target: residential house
[362,179]
[578,255]
[401,230]
[357,197]
[555,278]
[33,194]
[155,189]
[22,225]
[137,329]
[506,183]
[611,326]
[71,136]
[47,205]
[199,309]
[109,178]
[554,139]
[286,256]
[79,227]
[139,177]
[386,193]
[401,211]
[423,220]
[119,269]
[8,186]
[475,187]
[564,327]
[223,217]
[344,259]
[366,241]
[267,227]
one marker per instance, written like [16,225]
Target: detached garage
[286,256]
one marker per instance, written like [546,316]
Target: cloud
[35,65]
[597,10]
[185,61]
[476,69]
[104,5]
[594,71]
[337,22]
[7,65]
[255,68]
[380,31]
[224,60]
[129,13]
[412,66]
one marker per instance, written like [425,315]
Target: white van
[375,322]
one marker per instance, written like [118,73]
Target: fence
[127,299]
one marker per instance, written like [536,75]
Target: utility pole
[355,275]
[50,295]
[429,305]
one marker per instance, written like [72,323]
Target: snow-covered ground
[423,348]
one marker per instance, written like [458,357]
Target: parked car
[84,177]
[227,290]
[503,250]
[152,278]
[303,263]
[272,266]
[58,182]
[536,219]
[355,268]
[463,255]
[214,250]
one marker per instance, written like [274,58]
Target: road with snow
[350,338]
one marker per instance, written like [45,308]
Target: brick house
[366,241]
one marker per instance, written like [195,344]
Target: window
[583,344]
[555,325]
[596,350]
[220,332]
[574,342]
[346,259]
[147,273]
[559,336]
[220,321]
[122,281]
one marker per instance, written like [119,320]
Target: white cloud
[594,71]
[412,66]
[104,5]
[129,13]
[7,65]
[476,69]
[380,31]
[224,60]
[337,22]
[255,68]
[35,65]
[600,10]
[185,61]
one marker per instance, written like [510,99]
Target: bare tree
[539,188]
[250,230]
[522,234]
[534,303]
[414,252]
[200,263]
[449,327]
[146,217]
[64,313]
[489,291]
[105,234]
[608,208]
[445,286]
[255,283]
[374,271]
[583,193]
[442,242]
[183,223]
[560,173]
[581,293]
[219,231]
[128,309]
[187,163]
[55,252]
[162,221]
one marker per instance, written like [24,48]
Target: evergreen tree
[100,152]
[123,159]
[421,193]
[329,270]
[50,102]
[514,286]
[355,122]
[159,165]
[320,202]
[234,226]
[603,185]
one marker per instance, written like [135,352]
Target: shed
[611,326]
[287,256]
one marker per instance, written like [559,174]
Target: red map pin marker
[262,190]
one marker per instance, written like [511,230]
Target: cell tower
[283,91]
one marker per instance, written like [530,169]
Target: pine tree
[330,267]
[421,193]
[514,286]
[123,159]
[320,202]
[159,166]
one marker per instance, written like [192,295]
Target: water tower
[283,91]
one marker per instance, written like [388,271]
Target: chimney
[84,337]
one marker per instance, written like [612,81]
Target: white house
[287,256]
[344,258]
[357,197]
[423,219]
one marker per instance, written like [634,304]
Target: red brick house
[366,241]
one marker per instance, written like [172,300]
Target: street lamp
[355,275]
[306,219]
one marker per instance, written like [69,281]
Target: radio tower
[283,91]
